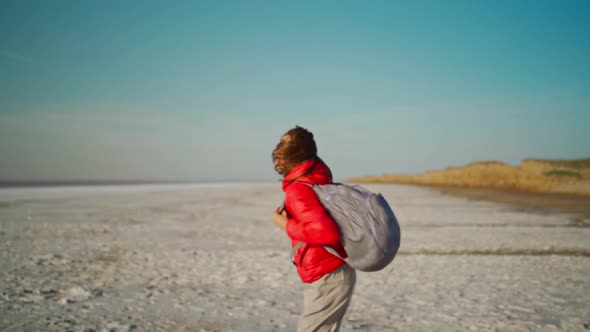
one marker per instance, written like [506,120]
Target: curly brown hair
[296,146]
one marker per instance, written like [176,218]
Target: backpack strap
[300,244]
[333,252]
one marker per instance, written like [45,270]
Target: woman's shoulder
[299,188]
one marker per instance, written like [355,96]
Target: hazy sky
[202,90]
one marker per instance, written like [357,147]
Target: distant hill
[533,175]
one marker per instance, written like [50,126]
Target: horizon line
[102,182]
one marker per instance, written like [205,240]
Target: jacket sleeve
[309,221]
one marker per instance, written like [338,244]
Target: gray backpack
[369,229]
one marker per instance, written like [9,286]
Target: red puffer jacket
[309,222]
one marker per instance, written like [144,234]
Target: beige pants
[325,301]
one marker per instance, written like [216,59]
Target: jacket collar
[313,171]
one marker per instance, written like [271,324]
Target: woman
[329,281]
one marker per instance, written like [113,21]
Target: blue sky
[202,90]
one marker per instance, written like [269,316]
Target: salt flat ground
[208,258]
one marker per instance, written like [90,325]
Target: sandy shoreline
[527,201]
[209,259]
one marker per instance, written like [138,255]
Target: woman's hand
[280,218]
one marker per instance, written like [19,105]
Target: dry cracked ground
[208,258]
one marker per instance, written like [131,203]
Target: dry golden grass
[533,175]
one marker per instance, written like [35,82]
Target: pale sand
[208,258]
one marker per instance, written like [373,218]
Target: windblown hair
[296,146]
